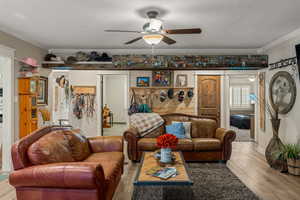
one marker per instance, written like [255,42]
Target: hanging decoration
[283,63]
[83,101]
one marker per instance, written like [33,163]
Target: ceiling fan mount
[152,14]
[154,27]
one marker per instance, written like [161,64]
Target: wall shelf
[161,88]
[111,66]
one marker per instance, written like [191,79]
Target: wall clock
[282,92]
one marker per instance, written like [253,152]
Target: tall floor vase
[275,146]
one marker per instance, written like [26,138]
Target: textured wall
[23,49]
[290,123]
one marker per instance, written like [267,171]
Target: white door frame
[100,75]
[8,133]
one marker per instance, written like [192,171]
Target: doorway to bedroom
[242,106]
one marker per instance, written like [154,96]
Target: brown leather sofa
[56,163]
[207,143]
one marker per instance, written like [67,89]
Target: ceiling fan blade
[134,40]
[184,31]
[122,31]
[168,40]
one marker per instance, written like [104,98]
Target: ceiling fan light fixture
[153,39]
[155,25]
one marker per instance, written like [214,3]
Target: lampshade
[155,25]
[153,39]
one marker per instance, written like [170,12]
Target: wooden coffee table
[149,187]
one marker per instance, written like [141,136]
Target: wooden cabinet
[28,118]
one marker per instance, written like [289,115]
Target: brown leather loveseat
[207,142]
[56,163]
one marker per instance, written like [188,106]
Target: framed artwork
[181,80]
[42,98]
[142,81]
[282,92]
[162,78]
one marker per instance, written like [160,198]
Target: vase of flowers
[166,142]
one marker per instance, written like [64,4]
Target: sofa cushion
[176,129]
[79,145]
[147,144]
[112,162]
[185,145]
[203,128]
[105,156]
[51,148]
[206,144]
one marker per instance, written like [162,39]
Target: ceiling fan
[153,31]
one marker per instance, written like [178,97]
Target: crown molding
[160,51]
[280,40]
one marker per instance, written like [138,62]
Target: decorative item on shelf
[82,56]
[170,93]
[29,67]
[162,78]
[190,93]
[291,154]
[166,142]
[71,60]
[42,98]
[282,92]
[181,96]
[142,81]
[163,96]
[181,80]
[50,57]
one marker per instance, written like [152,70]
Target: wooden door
[209,97]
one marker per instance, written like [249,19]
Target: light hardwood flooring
[249,165]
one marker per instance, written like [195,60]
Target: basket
[294,166]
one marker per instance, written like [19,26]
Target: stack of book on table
[163,172]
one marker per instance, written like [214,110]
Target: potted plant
[291,153]
[166,142]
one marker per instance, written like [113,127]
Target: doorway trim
[225,90]
[8,133]
[100,75]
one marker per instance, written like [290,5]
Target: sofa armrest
[226,137]
[106,144]
[132,136]
[75,175]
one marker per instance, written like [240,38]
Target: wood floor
[246,163]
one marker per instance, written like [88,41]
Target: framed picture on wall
[181,80]
[42,98]
[142,81]
[162,78]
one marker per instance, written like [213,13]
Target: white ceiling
[226,24]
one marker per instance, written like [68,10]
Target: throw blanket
[146,122]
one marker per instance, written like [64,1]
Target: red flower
[167,141]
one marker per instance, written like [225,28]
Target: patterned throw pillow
[176,129]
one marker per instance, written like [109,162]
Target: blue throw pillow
[176,129]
